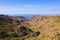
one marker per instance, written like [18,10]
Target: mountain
[36,28]
[13,28]
[48,26]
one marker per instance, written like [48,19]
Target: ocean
[23,15]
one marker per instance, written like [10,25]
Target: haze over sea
[31,15]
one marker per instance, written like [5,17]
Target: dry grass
[48,26]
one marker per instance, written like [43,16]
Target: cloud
[18,10]
[29,9]
[28,5]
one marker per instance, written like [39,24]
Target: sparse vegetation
[37,28]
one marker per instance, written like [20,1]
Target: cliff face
[36,28]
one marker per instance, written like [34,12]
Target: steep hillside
[37,28]
[48,26]
[15,28]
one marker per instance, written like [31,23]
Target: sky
[47,7]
